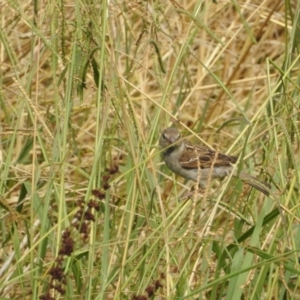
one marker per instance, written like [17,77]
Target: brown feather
[196,156]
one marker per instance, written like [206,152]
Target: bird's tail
[262,186]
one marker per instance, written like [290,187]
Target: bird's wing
[196,156]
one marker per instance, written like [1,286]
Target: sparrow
[201,164]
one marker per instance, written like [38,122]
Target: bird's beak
[172,139]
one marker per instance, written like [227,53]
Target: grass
[88,210]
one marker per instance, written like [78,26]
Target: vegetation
[88,210]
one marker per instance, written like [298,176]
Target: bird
[201,164]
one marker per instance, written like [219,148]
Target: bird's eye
[164,136]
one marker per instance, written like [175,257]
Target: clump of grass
[86,91]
